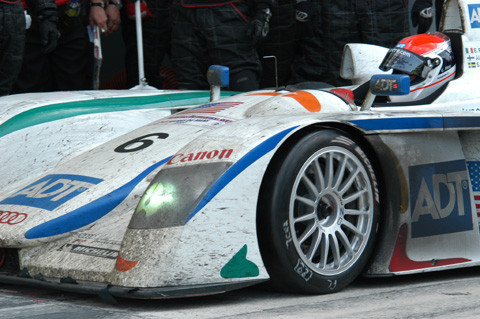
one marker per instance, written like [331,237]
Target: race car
[303,189]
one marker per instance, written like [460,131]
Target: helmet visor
[404,61]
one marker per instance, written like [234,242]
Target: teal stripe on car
[54,112]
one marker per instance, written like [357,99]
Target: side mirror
[394,84]
[217,77]
[386,85]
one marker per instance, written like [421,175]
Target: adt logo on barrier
[440,199]
[474,12]
[52,191]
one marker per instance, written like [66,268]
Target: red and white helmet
[427,58]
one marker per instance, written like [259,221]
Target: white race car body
[142,203]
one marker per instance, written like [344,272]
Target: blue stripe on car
[250,158]
[389,124]
[412,123]
[461,122]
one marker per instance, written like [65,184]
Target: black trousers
[67,68]
[202,36]
[379,22]
[12,39]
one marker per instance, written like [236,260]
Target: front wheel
[318,214]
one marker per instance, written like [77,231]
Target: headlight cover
[173,195]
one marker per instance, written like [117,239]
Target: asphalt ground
[450,294]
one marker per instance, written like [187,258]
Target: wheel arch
[354,133]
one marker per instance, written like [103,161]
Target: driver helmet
[427,58]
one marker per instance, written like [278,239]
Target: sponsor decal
[52,191]
[472,50]
[473,57]
[474,13]
[196,120]
[386,85]
[94,238]
[90,212]
[440,77]
[401,262]
[474,173]
[212,108]
[90,251]
[204,155]
[11,218]
[439,199]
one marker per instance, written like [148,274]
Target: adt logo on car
[439,199]
[474,12]
[52,191]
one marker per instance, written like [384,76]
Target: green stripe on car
[53,112]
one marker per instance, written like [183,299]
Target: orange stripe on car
[306,99]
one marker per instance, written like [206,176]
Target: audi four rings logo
[11,218]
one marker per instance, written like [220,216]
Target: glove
[144,11]
[422,15]
[48,19]
[259,26]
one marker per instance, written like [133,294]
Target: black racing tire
[318,214]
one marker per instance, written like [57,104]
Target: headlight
[173,195]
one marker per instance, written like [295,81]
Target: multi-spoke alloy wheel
[321,200]
[330,210]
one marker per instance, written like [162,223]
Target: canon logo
[206,155]
[11,218]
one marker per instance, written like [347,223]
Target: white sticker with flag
[474,172]
[212,108]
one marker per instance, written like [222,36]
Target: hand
[98,17]
[259,26]
[48,19]
[113,15]
[422,15]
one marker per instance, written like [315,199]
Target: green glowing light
[157,195]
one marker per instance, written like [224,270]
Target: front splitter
[106,290]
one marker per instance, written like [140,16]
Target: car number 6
[143,140]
